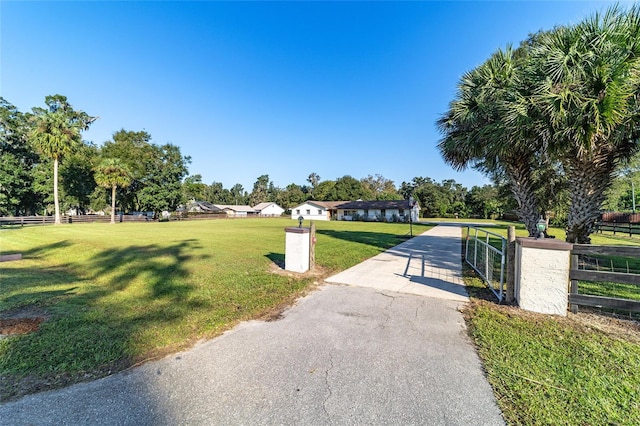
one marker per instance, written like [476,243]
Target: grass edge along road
[112,296]
[582,369]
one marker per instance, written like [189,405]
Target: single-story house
[268,209]
[236,211]
[379,210]
[317,210]
[201,207]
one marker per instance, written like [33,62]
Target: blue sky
[277,88]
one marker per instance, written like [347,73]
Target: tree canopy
[557,115]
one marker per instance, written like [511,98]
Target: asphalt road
[341,355]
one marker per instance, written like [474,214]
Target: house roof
[377,205]
[329,205]
[235,208]
[204,205]
[263,206]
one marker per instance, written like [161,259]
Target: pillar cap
[296,230]
[544,243]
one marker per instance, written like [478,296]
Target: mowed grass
[546,370]
[116,295]
[555,371]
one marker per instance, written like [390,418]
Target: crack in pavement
[386,312]
[326,382]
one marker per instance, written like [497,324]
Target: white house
[268,209]
[236,211]
[316,210]
[380,210]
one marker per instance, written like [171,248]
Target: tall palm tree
[587,98]
[54,136]
[112,173]
[485,128]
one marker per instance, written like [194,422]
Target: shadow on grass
[375,239]
[100,312]
[277,258]
[37,252]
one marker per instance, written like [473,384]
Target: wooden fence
[50,220]
[599,276]
[626,228]
[87,218]
[620,217]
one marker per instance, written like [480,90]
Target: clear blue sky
[277,88]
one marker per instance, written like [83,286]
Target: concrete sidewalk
[341,355]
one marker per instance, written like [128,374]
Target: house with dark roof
[379,210]
[200,207]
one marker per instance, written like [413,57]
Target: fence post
[312,246]
[486,256]
[573,289]
[475,248]
[511,262]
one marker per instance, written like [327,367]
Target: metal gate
[483,254]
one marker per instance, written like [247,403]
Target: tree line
[437,199]
[46,167]
[557,117]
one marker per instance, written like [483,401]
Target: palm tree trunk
[113,204]
[56,202]
[522,187]
[589,179]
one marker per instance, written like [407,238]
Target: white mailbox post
[296,258]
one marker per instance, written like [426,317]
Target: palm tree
[586,95]
[112,173]
[486,128]
[54,136]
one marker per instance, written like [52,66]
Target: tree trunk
[56,202]
[588,180]
[522,187]
[113,204]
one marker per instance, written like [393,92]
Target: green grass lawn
[115,295]
[549,370]
[553,371]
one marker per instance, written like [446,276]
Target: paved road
[341,355]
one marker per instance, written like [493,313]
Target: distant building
[236,211]
[379,210]
[268,209]
[317,210]
[201,207]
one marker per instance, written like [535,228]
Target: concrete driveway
[427,265]
[341,355]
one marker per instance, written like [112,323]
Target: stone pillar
[296,257]
[542,275]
